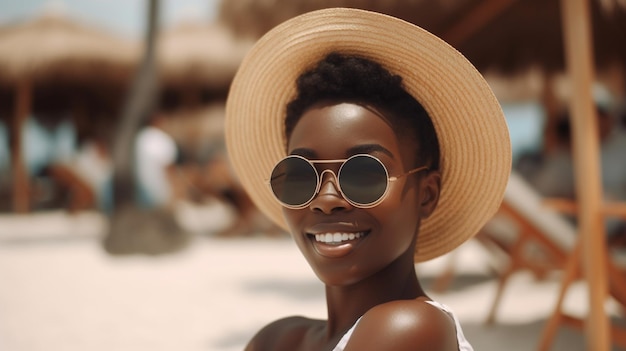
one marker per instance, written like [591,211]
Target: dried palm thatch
[252,18]
[528,33]
[53,46]
[64,66]
[504,35]
[200,54]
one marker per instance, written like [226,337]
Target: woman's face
[377,236]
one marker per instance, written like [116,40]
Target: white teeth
[336,238]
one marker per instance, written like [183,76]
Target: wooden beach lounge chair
[546,240]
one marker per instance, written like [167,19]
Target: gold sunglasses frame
[336,179]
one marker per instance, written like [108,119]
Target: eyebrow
[370,149]
[358,149]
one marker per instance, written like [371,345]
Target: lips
[336,243]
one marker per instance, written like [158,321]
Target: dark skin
[372,276]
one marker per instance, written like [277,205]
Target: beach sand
[60,290]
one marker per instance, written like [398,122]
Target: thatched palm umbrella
[200,54]
[54,49]
[54,46]
[506,35]
[252,18]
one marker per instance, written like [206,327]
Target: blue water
[526,122]
[41,146]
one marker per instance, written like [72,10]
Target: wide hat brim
[470,125]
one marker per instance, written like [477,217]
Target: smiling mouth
[338,238]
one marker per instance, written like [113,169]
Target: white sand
[60,291]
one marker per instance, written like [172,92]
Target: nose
[329,199]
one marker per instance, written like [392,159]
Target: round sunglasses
[363,180]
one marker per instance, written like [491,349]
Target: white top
[155,151]
[464,345]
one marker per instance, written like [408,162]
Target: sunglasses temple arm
[419,169]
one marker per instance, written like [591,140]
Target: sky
[123,17]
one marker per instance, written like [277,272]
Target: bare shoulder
[283,334]
[405,325]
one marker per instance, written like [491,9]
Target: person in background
[155,159]
[86,177]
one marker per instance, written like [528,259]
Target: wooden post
[579,58]
[21,191]
[551,104]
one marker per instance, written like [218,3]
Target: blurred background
[122,227]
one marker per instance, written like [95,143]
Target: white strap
[346,337]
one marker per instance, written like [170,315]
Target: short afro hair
[340,77]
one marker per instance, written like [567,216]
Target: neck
[347,303]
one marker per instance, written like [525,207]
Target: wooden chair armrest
[562,205]
[613,209]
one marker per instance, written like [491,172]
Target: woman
[376,145]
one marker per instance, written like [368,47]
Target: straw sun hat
[470,126]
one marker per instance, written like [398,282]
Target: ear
[430,188]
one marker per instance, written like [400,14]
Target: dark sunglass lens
[294,181]
[363,179]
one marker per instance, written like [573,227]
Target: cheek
[402,201]
[399,217]
[293,219]
[399,221]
